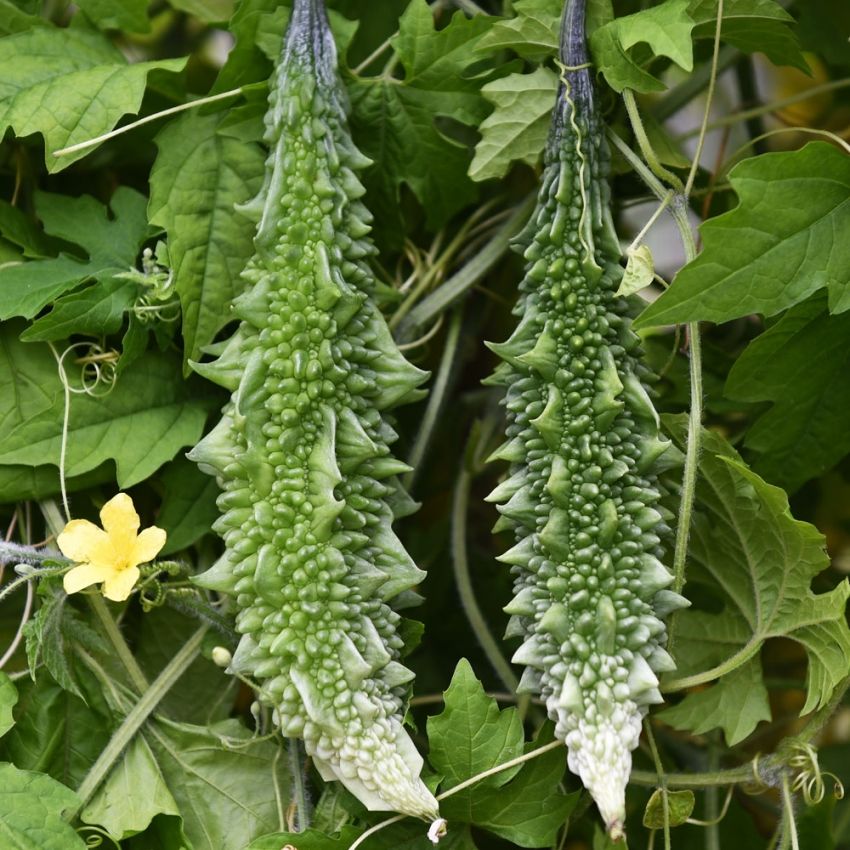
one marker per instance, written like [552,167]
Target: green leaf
[518,127]
[111,244]
[640,271]
[224,785]
[129,15]
[752,26]
[54,631]
[748,548]
[824,27]
[665,28]
[8,699]
[188,507]
[737,703]
[411,149]
[132,795]
[679,806]
[146,418]
[32,812]
[47,77]
[14,19]
[532,32]
[471,735]
[802,365]
[204,693]
[310,839]
[529,810]
[198,178]
[17,227]
[788,237]
[209,11]
[96,310]
[55,731]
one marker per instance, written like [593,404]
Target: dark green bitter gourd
[302,452]
[582,496]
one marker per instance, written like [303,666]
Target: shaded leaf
[802,365]
[111,243]
[55,731]
[748,548]
[737,703]
[140,424]
[47,76]
[411,149]
[130,15]
[665,28]
[198,178]
[188,506]
[788,237]
[518,126]
[679,805]
[8,699]
[752,26]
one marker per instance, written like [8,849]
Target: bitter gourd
[582,496]
[301,451]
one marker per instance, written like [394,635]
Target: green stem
[712,81]
[457,285]
[659,770]
[435,400]
[733,663]
[117,640]
[299,783]
[464,584]
[135,720]
[644,144]
[734,776]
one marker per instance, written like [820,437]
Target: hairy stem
[103,614]
[135,719]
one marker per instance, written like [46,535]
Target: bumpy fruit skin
[301,452]
[582,497]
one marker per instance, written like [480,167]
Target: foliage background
[452,107]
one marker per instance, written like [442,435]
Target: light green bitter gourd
[301,452]
[582,495]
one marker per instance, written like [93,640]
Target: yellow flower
[111,554]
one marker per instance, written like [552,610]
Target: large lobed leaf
[788,237]
[411,149]
[519,124]
[147,417]
[110,237]
[760,561]
[225,785]
[70,85]
[197,180]
[802,365]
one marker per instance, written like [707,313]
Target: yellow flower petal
[79,539]
[120,584]
[147,545]
[85,575]
[119,517]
